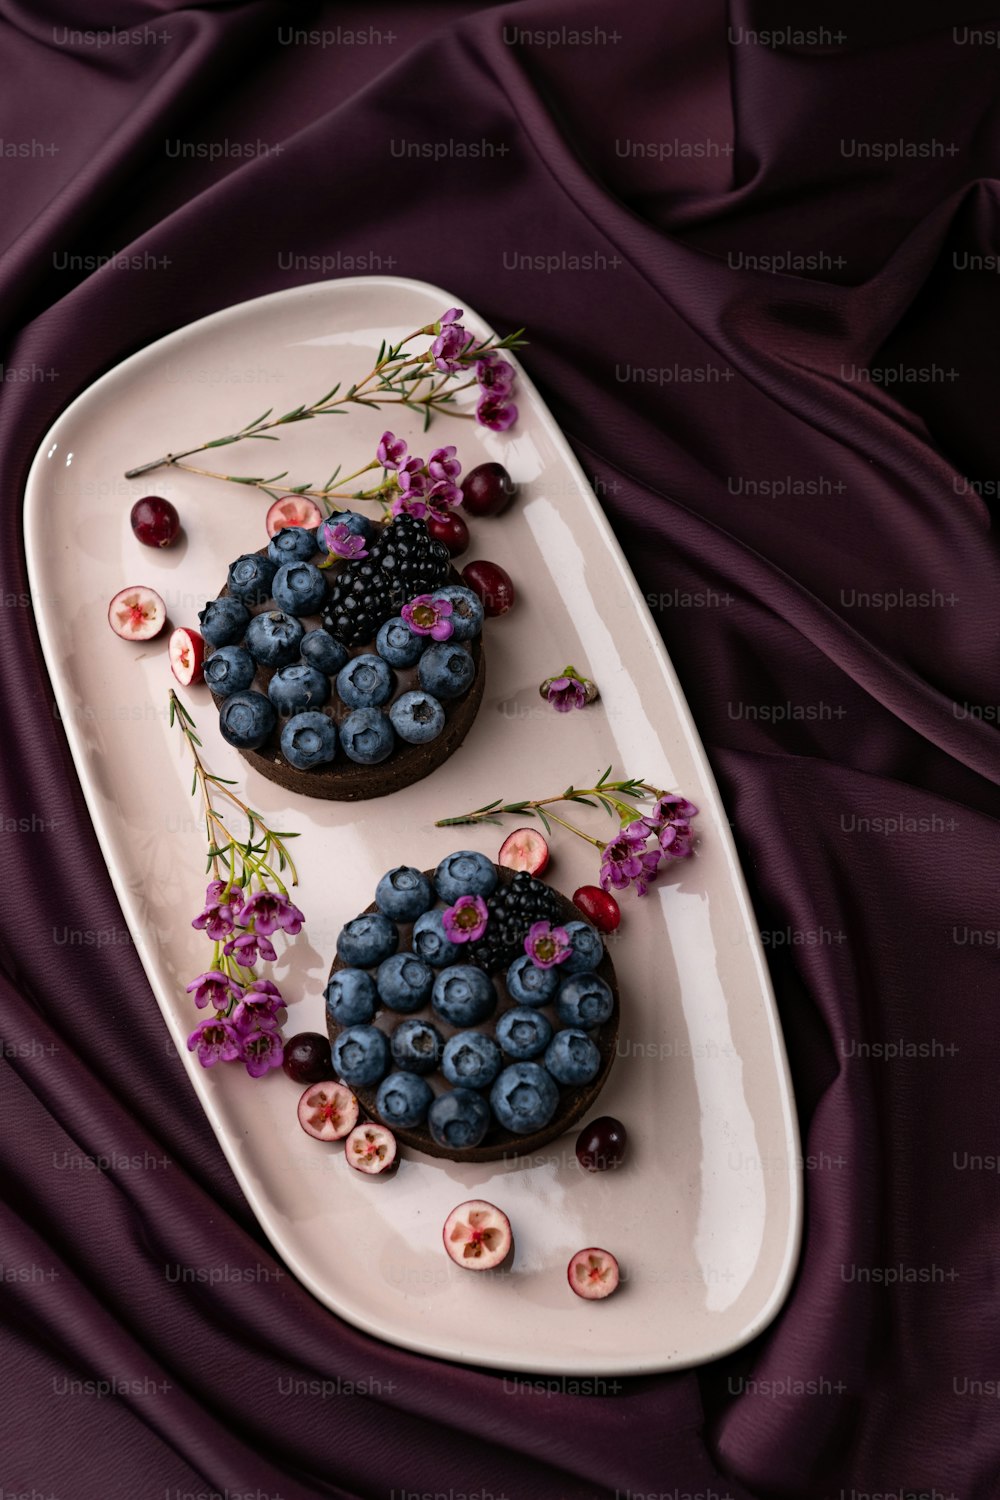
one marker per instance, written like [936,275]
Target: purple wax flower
[341,541]
[565,693]
[443,464]
[465,921]
[405,504]
[546,945]
[268,911]
[215,989]
[670,809]
[263,1050]
[627,861]
[259,1007]
[496,412]
[442,496]
[244,949]
[219,917]
[391,450]
[428,614]
[451,346]
[215,1040]
[676,840]
[495,375]
[453,315]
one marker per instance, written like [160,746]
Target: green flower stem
[603,794]
[597,843]
[253,855]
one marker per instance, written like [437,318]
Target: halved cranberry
[524,849]
[328,1111]
[137,613]
[370,1148]
[477,1235]
[593,1274]
[186,650]
[293,510]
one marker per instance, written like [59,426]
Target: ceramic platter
[705,1215]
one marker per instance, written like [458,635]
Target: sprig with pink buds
[644,841]
[246,903]
[425,382]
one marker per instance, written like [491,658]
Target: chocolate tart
[498,1143]
[344,780]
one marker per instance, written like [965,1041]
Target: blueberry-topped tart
[346,661]
[471,1009]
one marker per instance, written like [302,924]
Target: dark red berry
[601,1144]
[599,906]
[155,521]
[492,584]
[307,1058]
[487,490]
[451,530]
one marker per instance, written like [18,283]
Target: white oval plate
[705,1215]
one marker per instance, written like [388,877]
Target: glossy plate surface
[705,1215]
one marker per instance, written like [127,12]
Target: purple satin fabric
[779,511]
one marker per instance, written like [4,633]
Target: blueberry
[309,739]
[367,941]
[523,1033]
[366,682]
[251,577]
[321,651]
[463,995]
[584,1000]
[417,718]
[404,982]
[229,670]
[416,1046]
[430,942]
[588,949]
[223,621]
[397,644]
[465,873]
[292,544]
[274,638]
[530,985]
[471,1059]
[351,997]
[367,736]
[524,1098]
[446,670]
[246,720]
[572,1058]
[404,894]
[403,1100]
[294,688]
[355,522]
[299,588]
[459,1119]
[361,1056]
[466,611]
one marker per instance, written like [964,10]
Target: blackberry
[414,561]
[512,910]
[360,600]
